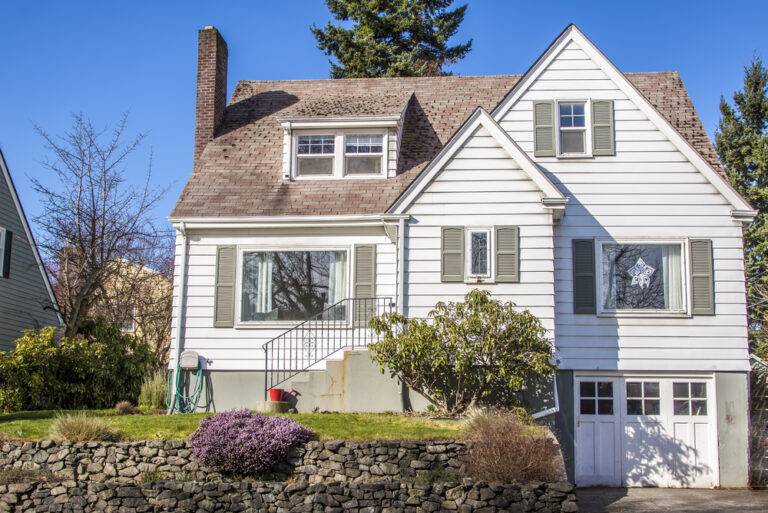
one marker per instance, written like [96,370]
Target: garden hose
[184,403]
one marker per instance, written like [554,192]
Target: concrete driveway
[640,500]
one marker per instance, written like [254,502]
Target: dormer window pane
[364,154]
[315,155]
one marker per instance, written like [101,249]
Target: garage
[645,430]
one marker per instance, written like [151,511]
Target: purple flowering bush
[244,442]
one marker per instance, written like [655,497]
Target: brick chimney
[211,86]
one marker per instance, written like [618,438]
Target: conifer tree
[392,38]
[742,143]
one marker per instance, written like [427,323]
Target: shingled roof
[240,171]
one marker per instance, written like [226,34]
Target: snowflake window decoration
[641,273]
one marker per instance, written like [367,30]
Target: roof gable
[479,118]
[573,39]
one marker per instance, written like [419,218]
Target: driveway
[677,500]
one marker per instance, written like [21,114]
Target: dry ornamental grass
[504,446]
[79,427]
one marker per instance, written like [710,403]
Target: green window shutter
[544,129]
[702,277]
[5,254]
[452,253]
[584,276]
[364,283]
[224,298]
[602,128]
[507,254]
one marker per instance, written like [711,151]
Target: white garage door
[645,431]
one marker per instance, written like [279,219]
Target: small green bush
[95,369]
[79,427]
[154,390]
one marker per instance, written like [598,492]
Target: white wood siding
[240,348]
[648,189]
[481,186]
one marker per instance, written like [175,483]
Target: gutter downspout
[401,266]
[179,316]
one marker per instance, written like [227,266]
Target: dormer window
[314,155]
[341,153]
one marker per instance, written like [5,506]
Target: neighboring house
[589,196]
[139,299]
[26,298]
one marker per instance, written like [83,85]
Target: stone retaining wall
[393,497]
[173,459]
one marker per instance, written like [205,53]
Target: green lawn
[328,426]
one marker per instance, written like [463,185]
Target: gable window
[315,155]
[478,253]
[573,128]
[291,285]
[642,277]
[364,154]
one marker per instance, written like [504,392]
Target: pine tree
[392,38]
[742,143]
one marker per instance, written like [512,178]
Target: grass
[329,426]
[17,475]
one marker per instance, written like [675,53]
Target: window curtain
[673,279]
[609,278]
[257,286]
[337,277]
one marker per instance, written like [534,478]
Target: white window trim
[587,128]
[490,277]
[683,312]
[239,323]
[339,154]
[2,251]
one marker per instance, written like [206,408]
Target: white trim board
[28,233]
[573,34]
[554,199]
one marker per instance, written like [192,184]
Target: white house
[589,196]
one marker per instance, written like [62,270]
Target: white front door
[659,432]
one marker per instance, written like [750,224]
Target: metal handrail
[342,325]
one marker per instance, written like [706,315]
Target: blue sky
[105,58]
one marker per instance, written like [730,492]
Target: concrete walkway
[641,500]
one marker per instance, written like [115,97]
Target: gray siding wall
[23,295]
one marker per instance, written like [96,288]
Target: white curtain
[337,277]
[264,292]
[673,279]
[609,277]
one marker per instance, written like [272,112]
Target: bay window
[641,277]
[291,285]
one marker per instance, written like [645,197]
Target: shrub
[466,353]
[506,446]
[247,443]
[154,391]
[93,370]
[126,408]
[79,427]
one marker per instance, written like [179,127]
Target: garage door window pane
[651,389]
[652,407]
[698,407]
[699,390]
[634,407]
[680,390]
[681,407]
[588,407]
[587,389]
[634,389]
[605,406]
[604,389]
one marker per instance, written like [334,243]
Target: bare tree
[93,221]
